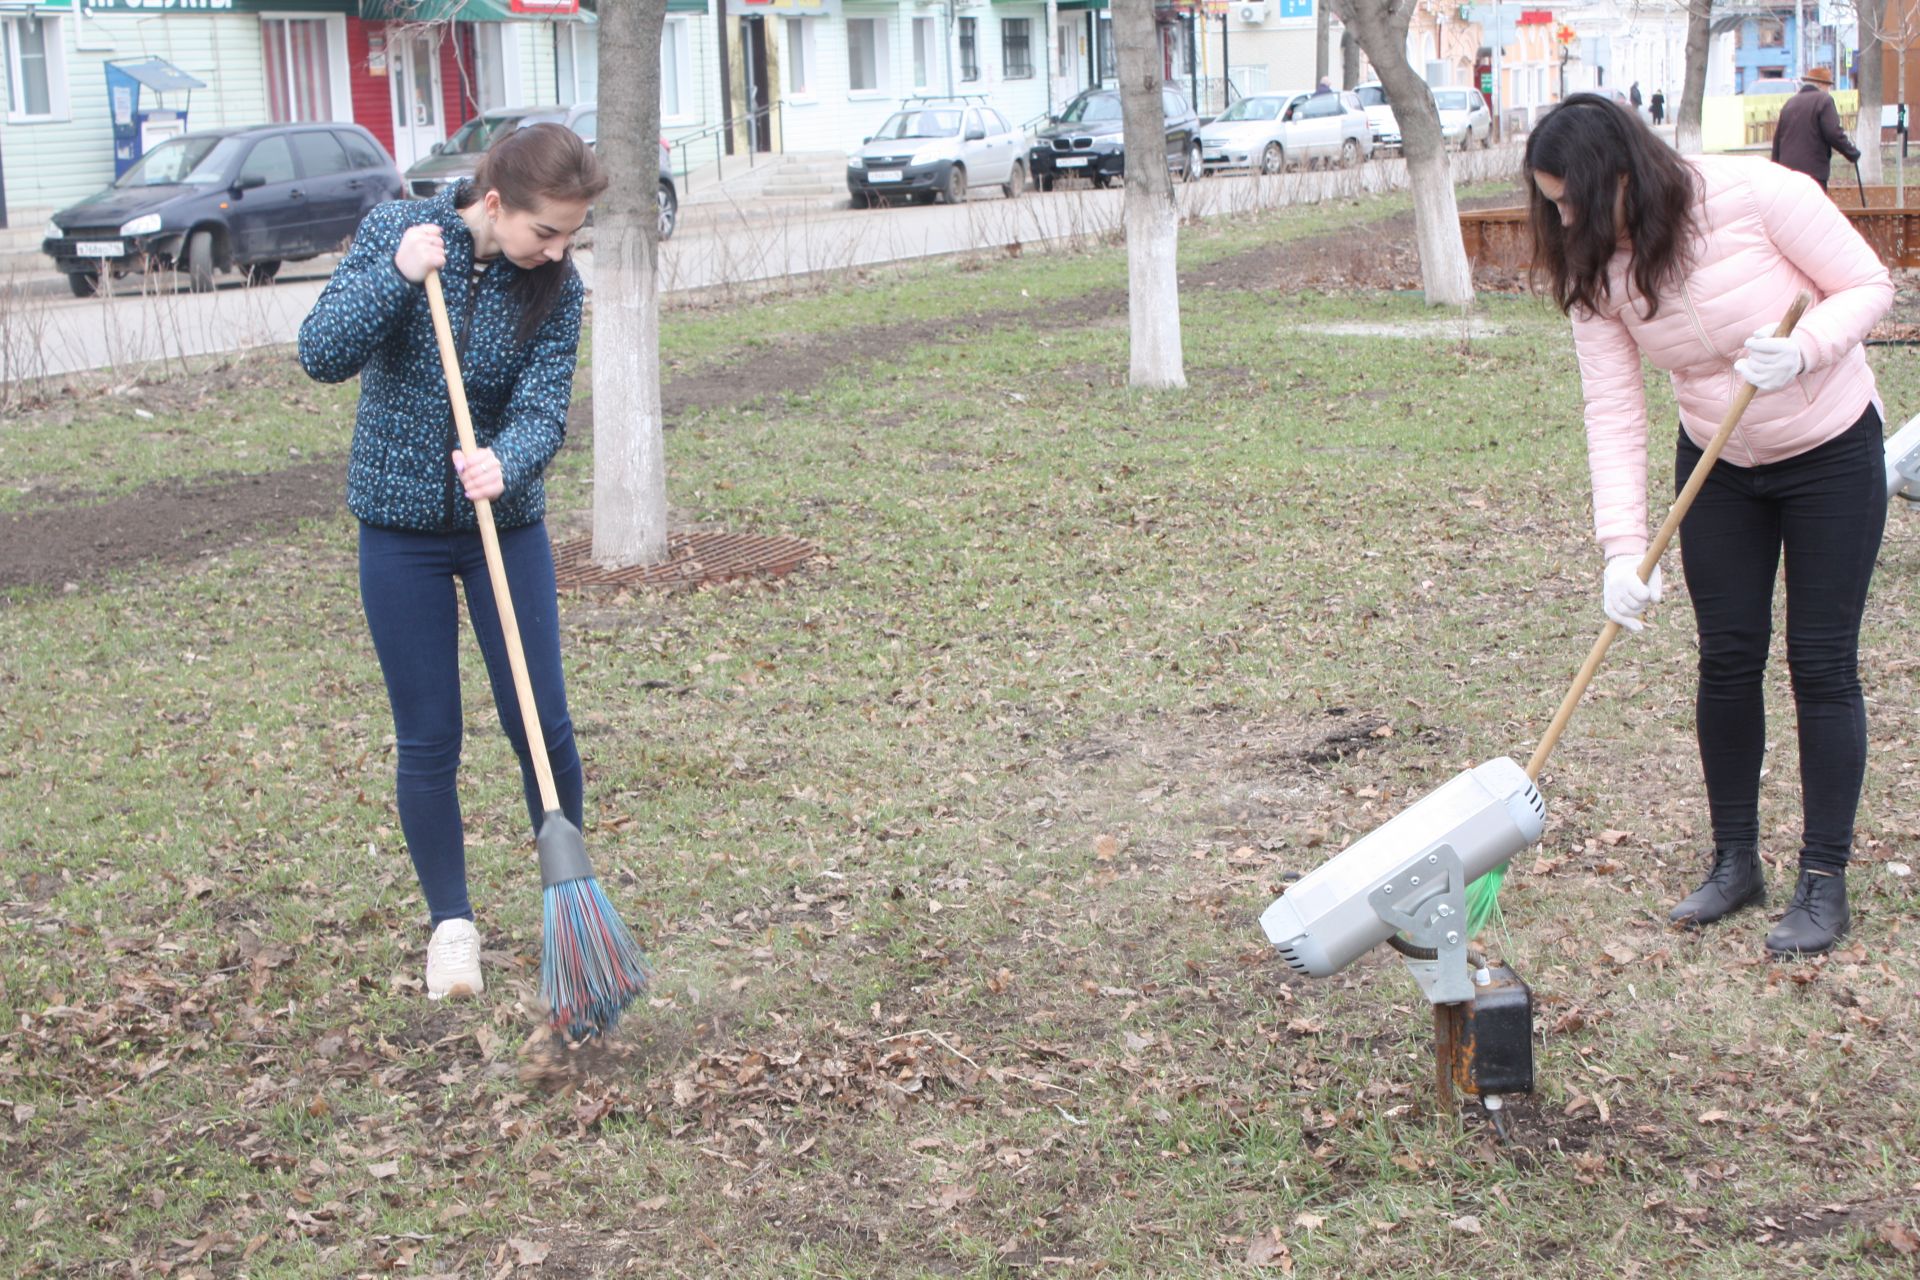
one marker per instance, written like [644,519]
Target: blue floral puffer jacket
[369,320]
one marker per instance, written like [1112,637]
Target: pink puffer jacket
[1767,232]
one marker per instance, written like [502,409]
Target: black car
[1084,140]
[246,199]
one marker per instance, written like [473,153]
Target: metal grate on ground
[692,559]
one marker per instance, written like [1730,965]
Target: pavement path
[45,332]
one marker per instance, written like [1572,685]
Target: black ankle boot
[1736,881]
[1816,919]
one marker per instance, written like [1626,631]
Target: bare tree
[1381,28]
[1153,224]
[1693,87]
[629,448]
[1896,27]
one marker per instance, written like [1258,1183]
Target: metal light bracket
[1427,901]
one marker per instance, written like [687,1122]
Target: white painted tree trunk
[1872,87]
[1153,226]
[629,446]
[1380,26]
[1693,89]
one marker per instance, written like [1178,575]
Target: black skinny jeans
[1827,508]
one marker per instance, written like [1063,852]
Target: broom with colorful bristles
[1483,895]
[590,967]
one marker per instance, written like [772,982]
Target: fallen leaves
[526,1253]
[1899,1237]
[1269,1249]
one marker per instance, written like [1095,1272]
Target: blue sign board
[1296,8]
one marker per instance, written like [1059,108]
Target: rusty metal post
[1446,1053]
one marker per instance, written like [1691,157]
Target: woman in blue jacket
[500,243]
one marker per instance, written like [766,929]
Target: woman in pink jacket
[1689,263]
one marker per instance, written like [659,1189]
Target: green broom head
[591,969]
[1483,899]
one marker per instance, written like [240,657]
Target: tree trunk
[1871,82]
[1349,59]
[1381,28]
[1153,227]
[1693,91]
[629,449]
[1322,35]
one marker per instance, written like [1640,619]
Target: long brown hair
[529,167]
[1591,143]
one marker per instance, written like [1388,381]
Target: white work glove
[1771,363]
[1625,597]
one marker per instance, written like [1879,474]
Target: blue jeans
[407,588]
[1821,511]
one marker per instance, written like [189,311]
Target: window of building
[799,52]
[576,57]
[1016,48]
[866,55]
[493,53]
[676,70]
[299,71]
[36,69]
[1103,37]
[926,58]
[969,49]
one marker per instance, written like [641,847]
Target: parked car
[1464,118]
[939,148]
[1085,140]
[1380,121]
[225,199]
[1271,131]
[459,156]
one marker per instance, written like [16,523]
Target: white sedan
[1464,119]
[1271,132]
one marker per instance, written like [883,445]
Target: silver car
[940,148]
[1464,118]
[1271,132]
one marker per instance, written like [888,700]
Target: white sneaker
[453,961]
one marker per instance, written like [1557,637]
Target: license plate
[1071,162]
[884,175]
[100,249]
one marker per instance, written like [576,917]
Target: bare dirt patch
[173,523]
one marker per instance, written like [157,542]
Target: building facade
[409,71]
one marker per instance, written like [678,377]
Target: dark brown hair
[1590,143]
[529,167]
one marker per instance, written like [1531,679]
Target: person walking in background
[1658,105]
[1808,131]
[1633,97]
[1677,260]
[1322,87]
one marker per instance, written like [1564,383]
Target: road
[45,332]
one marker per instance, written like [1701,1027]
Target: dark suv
[1085,140]
[245,199]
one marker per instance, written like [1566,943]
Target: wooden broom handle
[490,539]
[1658,547]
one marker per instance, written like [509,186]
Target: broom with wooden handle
[590,967]
[1483,893]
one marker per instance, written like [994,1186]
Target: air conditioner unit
[1253,12]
